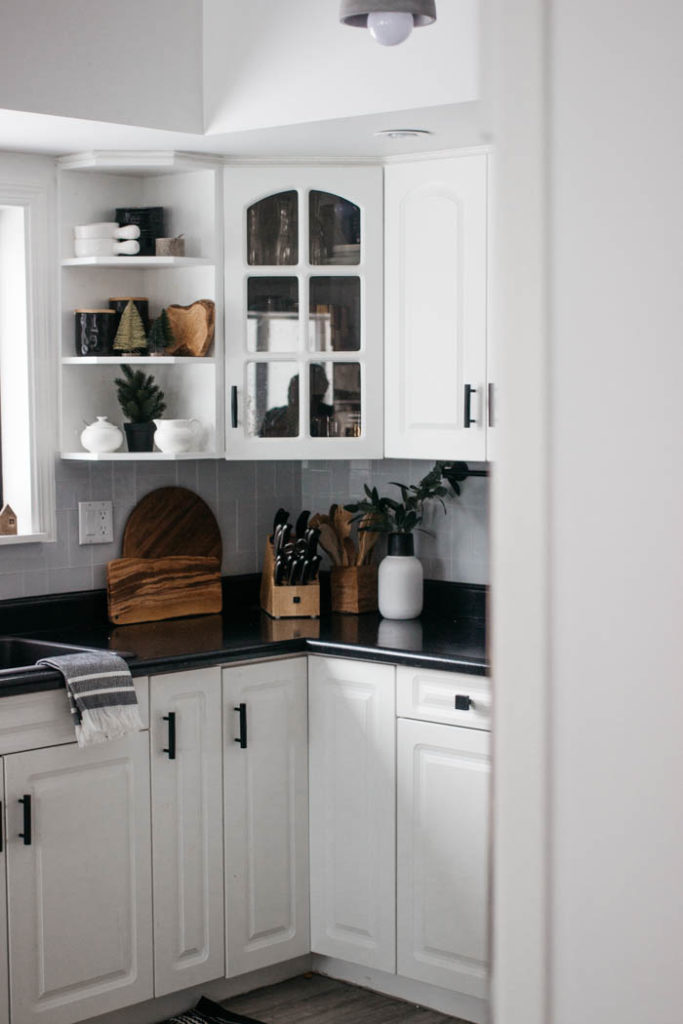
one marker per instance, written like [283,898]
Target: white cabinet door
[79,885]
[443,801]
[187,829]
[435,308]
[303,291]
[4,986]
[266,814]
[352,807]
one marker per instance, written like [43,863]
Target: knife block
[285,602]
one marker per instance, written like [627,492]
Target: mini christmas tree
[139,397]
[130,336]
[160,334]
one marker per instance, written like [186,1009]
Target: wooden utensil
[349,551]
[366,541]
[329,542]
[171,521]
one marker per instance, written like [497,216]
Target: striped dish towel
[101,695]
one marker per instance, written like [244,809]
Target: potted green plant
[141,401]
[400,578]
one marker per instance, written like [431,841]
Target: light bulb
[390,27]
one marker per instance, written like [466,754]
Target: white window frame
[37,200]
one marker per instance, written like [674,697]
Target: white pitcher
[177,435]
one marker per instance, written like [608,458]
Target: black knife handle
[469,391]
[233,405]
[242,738]
[170,749]
[26,834]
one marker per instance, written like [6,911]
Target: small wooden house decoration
[8,521]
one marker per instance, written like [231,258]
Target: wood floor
[313,999]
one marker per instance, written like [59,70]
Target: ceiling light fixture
[390,21]
[402,133]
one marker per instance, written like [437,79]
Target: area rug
[207,1012]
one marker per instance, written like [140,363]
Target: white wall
[134,62]
[617,510]
[272,63]
[609,841]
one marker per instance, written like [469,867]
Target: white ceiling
[453,126]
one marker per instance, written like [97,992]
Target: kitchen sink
[18,652]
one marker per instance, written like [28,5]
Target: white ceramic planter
[400,580]
[101,436]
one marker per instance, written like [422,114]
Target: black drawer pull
[463,702]
[170,749]
[233,405]
[467,419]
[242,738]
[26,834]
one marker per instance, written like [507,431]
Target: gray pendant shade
[355,12]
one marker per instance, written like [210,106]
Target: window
[27,377]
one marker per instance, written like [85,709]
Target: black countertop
[450,635]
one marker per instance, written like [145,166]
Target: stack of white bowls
[106,239]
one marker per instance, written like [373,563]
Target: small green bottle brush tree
[160,334]
[141,401]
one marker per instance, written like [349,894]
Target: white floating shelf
[145,360]
[139,162]
[137,456]
[141,262]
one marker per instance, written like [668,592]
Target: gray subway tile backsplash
[244,497]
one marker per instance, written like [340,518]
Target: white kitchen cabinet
[303,293]
[352,808]
[4,979]
[189,188]
[266,814]
[79,885]
[435,308]
[187,832]
[442,884]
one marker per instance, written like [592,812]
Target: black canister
[94,331]
[150,220]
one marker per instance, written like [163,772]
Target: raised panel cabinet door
[443,807]
[187,829]
[266,814]
[79,880]
[4,979]
[435,308]
[352,807]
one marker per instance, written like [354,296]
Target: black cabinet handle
[490,405]
[233,405]
[242,738]
[170,749]
[1,842]
[26,834]
[467,420]
[463,702]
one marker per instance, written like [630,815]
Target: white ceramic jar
[400,580]
[101,436]
[175,436]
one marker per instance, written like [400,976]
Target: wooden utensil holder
[285,602]
[354,589]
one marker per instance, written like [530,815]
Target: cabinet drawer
[43,719]
[431,697]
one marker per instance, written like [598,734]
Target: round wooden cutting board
[171,521]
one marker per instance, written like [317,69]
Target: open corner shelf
[144,360]
[136,456]
[140,262]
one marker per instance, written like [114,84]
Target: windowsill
[26,538]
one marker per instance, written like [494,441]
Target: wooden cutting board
[150,589]
[172,521]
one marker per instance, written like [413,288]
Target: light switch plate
[95,522]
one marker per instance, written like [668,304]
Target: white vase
[400,580]
[101,436]
[174,436]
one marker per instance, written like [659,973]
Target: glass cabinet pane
[335,399]
[272,407]
[334,314]
[272,314]
[273,231]
[334,230]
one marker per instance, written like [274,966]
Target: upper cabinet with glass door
[304,312]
